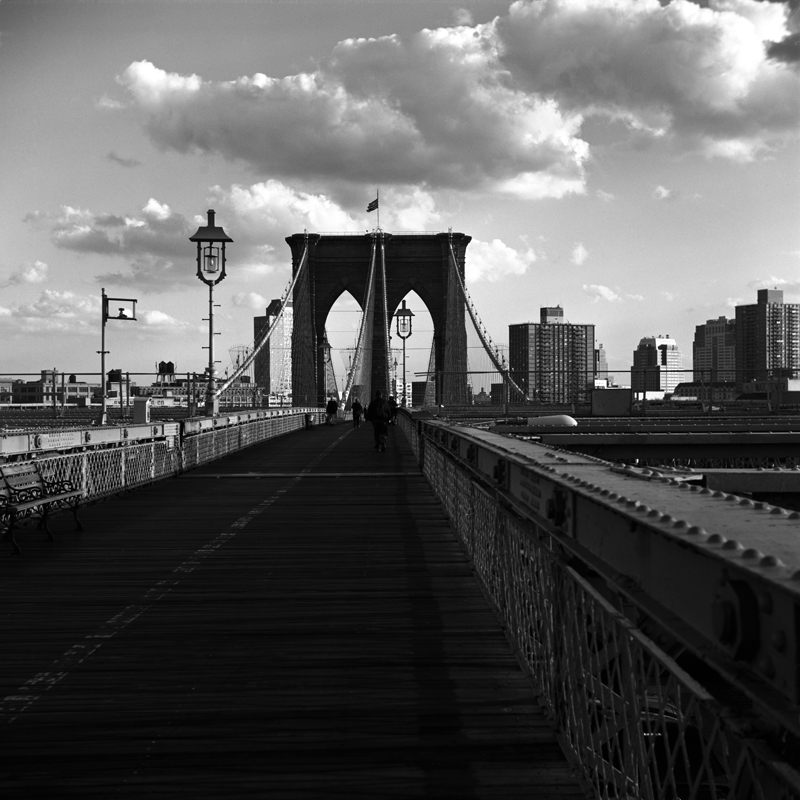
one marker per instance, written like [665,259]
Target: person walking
[392,410]
[330,410]
[357,409]
[378,413]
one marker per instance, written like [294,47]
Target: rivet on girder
[769,561]
[777,510]
[667,519]
[731,544]
[696,530]
[680,524]
[751,553]
[716,538]
[746,501]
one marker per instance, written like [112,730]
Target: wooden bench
[26,493]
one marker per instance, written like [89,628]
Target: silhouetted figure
[330,411]
[392,410]
[357,409]
[378,413]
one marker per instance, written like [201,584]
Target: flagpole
[378,197]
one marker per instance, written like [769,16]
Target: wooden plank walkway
[296,620]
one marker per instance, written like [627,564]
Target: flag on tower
[373,205]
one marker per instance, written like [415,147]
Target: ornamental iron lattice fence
[635,723]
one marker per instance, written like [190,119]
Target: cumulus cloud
[579,254]
[600,292]
[495,260]
[68,313]
[53,312]
[434,109]
[251,300]
[662,193]
[496,106]
[123,162]
[156,230]
[786,284]
[699,75]
[27,273]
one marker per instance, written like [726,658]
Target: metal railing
[104,472]
[635,721]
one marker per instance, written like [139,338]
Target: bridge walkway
[296,620]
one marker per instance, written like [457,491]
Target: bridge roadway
[296,620]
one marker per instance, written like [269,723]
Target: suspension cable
[258,345]
[386,323]
[368,300]
[491,349]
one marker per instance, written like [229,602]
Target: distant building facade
[714,350]
[601,366]
[767,338]
[552,360]
[657,365]
[272,366]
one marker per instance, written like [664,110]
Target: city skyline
[647,187]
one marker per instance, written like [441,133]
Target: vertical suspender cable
[367,311]
[488,345]
[386,322]
[258,345]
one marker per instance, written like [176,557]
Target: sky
[635,161]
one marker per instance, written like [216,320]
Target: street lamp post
[126,312]
[211,241]
[403,317]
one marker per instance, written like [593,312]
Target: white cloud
[434,109]
[54,312]
[600,292]
[786,284]
[606,197]
[636,297]
[495,260]
[734,301]
[251,300]
[106,103]
[698,75]
[160,322]
[662,193]
[669,296]
[579,254]
[156,231]
[27,273]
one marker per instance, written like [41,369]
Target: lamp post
[403,317]
[126,313]
[211,241]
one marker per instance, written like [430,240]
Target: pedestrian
[392,410]
[378,413]
[357,409]
[330,410]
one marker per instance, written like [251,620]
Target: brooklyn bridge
[258,604]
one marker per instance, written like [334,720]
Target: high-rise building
[714,350]
[601,364]
[552,360]
[767,338]
[273,363]
[657,365]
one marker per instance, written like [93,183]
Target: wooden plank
[275,638]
